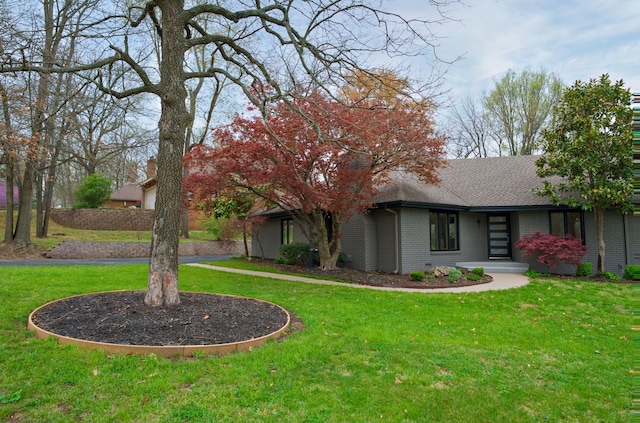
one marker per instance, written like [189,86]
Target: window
[287,231]
[568,222]
[444,231]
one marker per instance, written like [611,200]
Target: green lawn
[551,351]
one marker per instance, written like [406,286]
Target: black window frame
[566,223]
[447,234]
[286,231]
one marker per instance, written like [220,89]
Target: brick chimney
[151,167]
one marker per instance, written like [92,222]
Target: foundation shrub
[294,254]
[417,276]
[584,269]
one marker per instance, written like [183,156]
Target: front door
[499,236]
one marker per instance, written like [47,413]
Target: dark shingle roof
[128,192]
[493,182]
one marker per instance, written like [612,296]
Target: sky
[578,40]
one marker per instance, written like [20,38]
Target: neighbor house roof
[474,184]
[128,192]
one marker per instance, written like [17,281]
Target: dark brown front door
[499,236]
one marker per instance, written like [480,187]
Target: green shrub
[295,253]
[279,260]
[533,274]
[94,191]
[455,273]
[431,276]
[478,271]
[452,279]
[608,275]
[417,276]
[584,269]
[213,227]
[473,277]
[631,272]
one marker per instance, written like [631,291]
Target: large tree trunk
[9,166]
[8,226]
[22,236]
[39,181]
[162,287]
[598,215]
[328,250]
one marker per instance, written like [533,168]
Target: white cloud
[575,39]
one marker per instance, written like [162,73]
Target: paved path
[500,281]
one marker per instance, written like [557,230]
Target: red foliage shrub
[550,249]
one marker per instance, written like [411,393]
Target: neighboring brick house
[127,196]
[150,185]
[477,213]
[149,188]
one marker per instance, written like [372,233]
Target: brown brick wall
[104,219]
[91,250]
[113,219]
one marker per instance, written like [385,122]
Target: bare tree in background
[471,132]
[509,119]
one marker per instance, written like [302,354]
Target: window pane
[453,235]
[433,230]
[442,231]
[574,224]
[557,223]
[287,231]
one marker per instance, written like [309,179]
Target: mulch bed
[390,280]
[121,317]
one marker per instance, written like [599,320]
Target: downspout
[395,231]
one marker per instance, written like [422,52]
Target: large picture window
[287,231]
[444,231]
[567,222]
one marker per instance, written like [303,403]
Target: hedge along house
[477,213]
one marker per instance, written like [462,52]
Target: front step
[496,266]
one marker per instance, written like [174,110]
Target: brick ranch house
[477,213]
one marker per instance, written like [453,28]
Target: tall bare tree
[470,130]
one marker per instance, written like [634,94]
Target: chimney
[151,167]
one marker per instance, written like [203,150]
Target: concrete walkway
[500,281]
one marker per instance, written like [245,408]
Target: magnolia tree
[589,145]
[319,159]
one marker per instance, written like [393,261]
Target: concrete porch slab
[496,266]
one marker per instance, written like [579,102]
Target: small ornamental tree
[235,205]
[550,249]
[319,160]
[94,191]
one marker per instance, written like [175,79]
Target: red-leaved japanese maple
[550,249]
[319,160]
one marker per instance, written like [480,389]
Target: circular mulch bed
[120,322]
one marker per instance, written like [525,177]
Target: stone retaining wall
[104,219]
[90,250]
